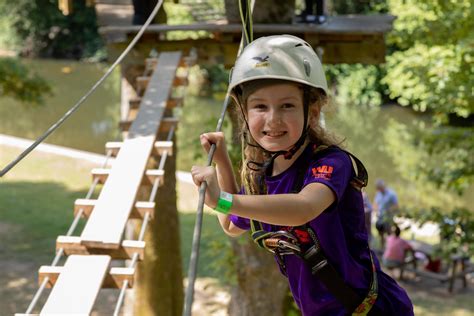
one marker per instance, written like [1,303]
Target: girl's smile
[275,116]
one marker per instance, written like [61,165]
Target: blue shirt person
[385,205]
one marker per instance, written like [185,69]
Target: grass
[36,204]
[36,201]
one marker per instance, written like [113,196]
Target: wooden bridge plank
[159,148]
[72,246]
[138,211]
[106,225]
[77,286]
[113,280]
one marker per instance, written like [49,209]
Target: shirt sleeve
[240,222]
[333,170]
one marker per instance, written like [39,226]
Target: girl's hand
[207,139]
[207,174]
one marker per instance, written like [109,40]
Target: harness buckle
[283,241]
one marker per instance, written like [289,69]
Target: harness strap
[314,256]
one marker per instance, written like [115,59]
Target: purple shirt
[343,236]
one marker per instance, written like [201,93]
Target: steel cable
[246,8]
[85,96]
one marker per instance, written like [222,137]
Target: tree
[159,286]
[19,83]
[432,70]
[40,29]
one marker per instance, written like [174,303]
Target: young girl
[301,195]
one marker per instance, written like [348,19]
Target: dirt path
[19,284]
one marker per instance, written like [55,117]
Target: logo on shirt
[322,172]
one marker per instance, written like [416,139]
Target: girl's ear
[314,112]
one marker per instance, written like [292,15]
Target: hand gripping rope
[245,7]
[85,96]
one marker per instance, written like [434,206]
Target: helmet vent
[307,67]
[299,44]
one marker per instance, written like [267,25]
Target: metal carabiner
[285,245]
[286,234]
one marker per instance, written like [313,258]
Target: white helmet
[284,57]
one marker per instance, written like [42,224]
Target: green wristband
[224,203]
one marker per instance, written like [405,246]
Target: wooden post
[159,287]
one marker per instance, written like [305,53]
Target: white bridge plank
[77,286]
[106,224]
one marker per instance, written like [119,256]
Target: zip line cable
[81,101]
[246,8]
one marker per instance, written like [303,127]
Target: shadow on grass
[33,214]
[215,249]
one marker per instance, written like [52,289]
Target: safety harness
[303,242]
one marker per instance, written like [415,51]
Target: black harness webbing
[314,256]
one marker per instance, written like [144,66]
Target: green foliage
[438,78]
[433,66]
[17,82]
[431,22]
[430,69]
[451,163]
[181,14]
[217,76]
[357,84]
[456,230]
[42,30]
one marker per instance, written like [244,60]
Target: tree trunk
[261,288]
[159,286]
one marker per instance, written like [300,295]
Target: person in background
[308,15]
[394,254]
[385,206]
[367,214]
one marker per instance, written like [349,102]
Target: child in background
[297,185]
[394,254]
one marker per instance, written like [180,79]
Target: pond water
[96,122]
[89,128]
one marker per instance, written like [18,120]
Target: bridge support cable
[72,228]
[76,106]
[246,8]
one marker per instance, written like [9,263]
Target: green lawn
[36,204]
[36,201]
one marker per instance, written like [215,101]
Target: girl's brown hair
[253,180]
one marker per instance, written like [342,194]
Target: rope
[247,37]
[81,101]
